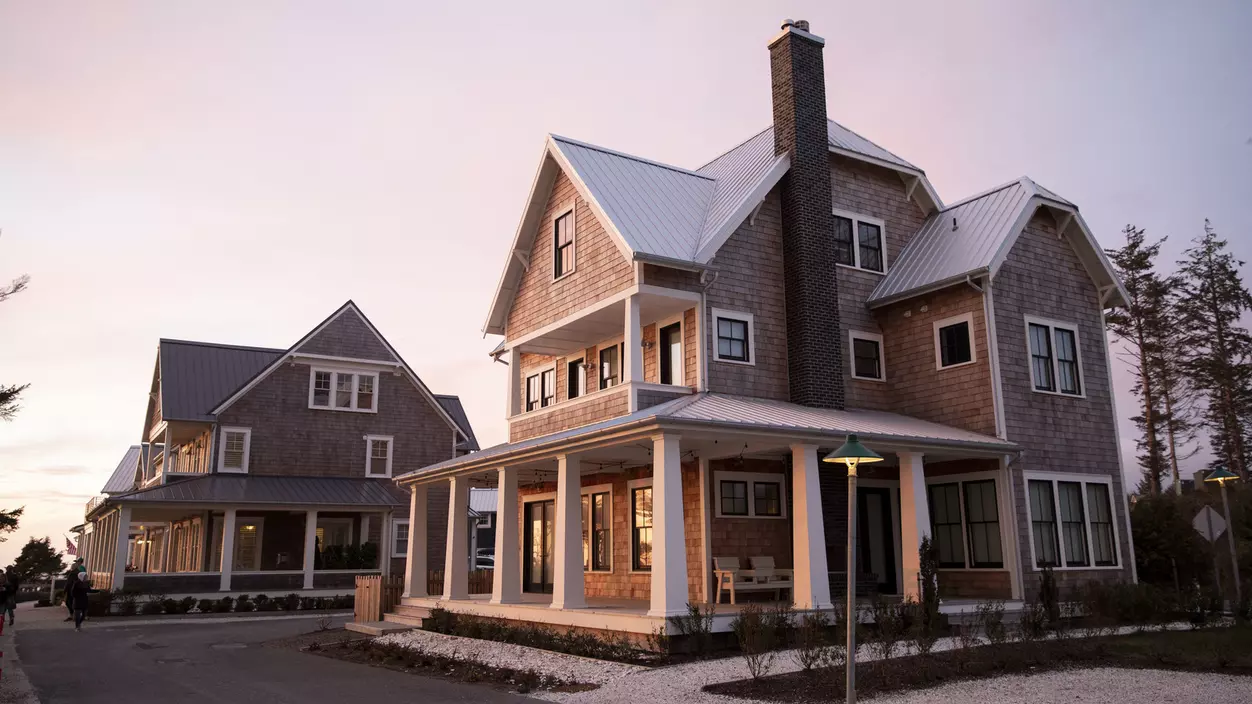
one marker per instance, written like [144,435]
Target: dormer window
[859,242]
[563,244]
[343,390]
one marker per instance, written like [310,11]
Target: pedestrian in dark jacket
[70,575]
[80,589]
[8,594]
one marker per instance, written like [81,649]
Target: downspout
[707,278]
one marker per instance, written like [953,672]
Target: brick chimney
[814,345]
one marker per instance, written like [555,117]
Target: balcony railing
[93,504]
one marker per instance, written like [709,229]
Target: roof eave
[928,288]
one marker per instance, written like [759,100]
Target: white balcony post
[386,543]
[310,547]
[812,581]
[669,546]
[415,562]
[456,559]
[515,382]
[568,591]
[119,557]
[632,365]
[506,579]
[914,518]
[228,548]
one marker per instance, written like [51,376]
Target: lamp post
[1221,475]
[852,453]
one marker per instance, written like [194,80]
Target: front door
[539,526]
[876,546]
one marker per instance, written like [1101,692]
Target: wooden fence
[375,596]
[479,582]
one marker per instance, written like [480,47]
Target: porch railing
[479,582]
[375,596]
[93,504]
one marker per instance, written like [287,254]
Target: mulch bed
[1226,650]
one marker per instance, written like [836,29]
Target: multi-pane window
[845,251]
[859,242]
[345,391]
[563,245]
[611,366]
[982,524]
[1043,523]
[641,528]
[733,341]
[378,461]
[576,378]
[533,395]
[952,341]
[400,535]
[671,354]
[734,498]
[867,360]
[1072,522]
[547,382]
[596,522]
[236,446]
[767,498]
[945,520]
[1055,365]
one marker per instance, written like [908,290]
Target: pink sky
[234,172]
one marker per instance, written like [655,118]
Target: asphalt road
[188,663]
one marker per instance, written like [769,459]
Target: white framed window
[860,242]
[597,528]
[575,378]
[954,341]
[378,455]
[1072,521]
[865,356]
[611,357]
[249,535]
[541,389]
[750,495]
[400,537]
[965,520]
[563,246]
[343,390]
[235,451]
[670,364]
[639,507]
[1055,357]
[733,337]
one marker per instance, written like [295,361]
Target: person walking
[70,576]
[80,589]
[8,594]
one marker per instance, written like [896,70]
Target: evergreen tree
[1211,300]
[1139,327]
[38,559]
[1176,392]
[9,394]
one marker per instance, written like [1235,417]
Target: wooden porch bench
[762,578]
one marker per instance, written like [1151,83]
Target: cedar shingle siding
[347,336]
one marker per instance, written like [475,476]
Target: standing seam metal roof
[123,477]
[261,489]
[196,376]
[452,406]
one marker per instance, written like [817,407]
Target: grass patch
[1223,650]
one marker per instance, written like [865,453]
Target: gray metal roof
[261,489]
[123,478]
[483,500]
[740,412]
[196,376]
[452,406]
[842,138]
[739,172]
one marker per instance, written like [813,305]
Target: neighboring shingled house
[280,458]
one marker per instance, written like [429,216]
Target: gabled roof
[197,375]
[349,307]
[452,405]
[972,238]
[665,214]
[123,478]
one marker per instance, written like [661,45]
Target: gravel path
[567,668]
[1098,686]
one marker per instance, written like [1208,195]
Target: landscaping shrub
[264,603]
[127,602]
[1033,623]
[291,602]
[243,604]
[441,621]
[206,605]
[186,604]
[308,603]
[169,606]
[757,640]
[812,640]
[1049,597]
[781,619]
[153,605]
[927,622]
[697,626]
[224,605]
[99,604]
[990,615]
[889,626]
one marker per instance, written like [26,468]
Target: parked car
[485,562]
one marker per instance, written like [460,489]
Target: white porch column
[456,559]
[228,548]
[415,560]
[386,540]
[914,518]
[119,557]
[632,365]
[812,581]
[365,532]
[506,579]
[669,549]
[568,591]
[310,546]
[515,383]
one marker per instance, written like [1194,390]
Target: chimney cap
[802,25]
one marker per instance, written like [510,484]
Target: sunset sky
[234,171]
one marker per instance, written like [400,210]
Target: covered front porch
[620,525]
[218,534]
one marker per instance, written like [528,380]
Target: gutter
[928,288]
[672,262]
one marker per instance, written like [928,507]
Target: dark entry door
[539,522]
[876,545]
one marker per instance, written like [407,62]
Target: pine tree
[1176,392]
[1211,300]
[1139,328]
[9,394]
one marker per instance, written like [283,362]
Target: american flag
[70,548]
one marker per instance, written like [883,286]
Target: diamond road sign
[1209,523]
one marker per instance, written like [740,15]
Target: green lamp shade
[853,452]
[1220,474]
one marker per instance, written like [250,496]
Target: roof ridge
[224,345]
[876,144]
[984,194]
[719,157]
[632,157]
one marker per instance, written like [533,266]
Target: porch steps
[409,615]
[376,628]
[408,622]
